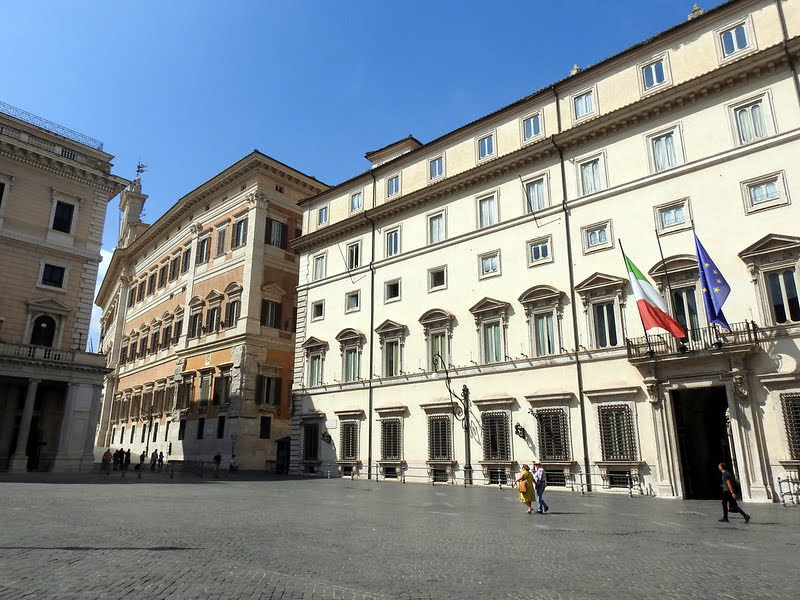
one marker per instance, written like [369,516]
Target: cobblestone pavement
[96,537]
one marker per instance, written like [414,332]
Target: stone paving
[96,537]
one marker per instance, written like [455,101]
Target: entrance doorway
[703,437]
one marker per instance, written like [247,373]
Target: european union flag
[715,288]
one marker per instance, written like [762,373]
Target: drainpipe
[371,328]
[785,32]
[572,300]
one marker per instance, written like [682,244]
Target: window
[166,431]
[393,186]
[544,334]
[591,176]
[391,291]
[437,278]
[53,276]
[311,441]
[684,307]
[232,310]
[487,211]
[143,346]
[221,241]
[239,233]
[663,149]
[356,202]
[350,364]
[151,283]
[597,236]
[315,370]
[353,255]
[265,428]
[187,261]
[492,342]
[439,438]
[162,275]
[438,328]
[348,441]
[318,310]
[352,301]
[268,390]
[182,429]
[174,268]
[551,427]
[203,249]
[751,123]
[531,127]
[393,242]
[765,192]
[141,290]
[212,319]
[220,427]
[790,402]
[322,216]
[144,433]
[270,314]
[62,217]
[496,436]
[275,234]
[539,251]
[201,425]
[319,267]
[584,104]
[178,330]
[391,358]
[654,74]
[489,264]
[535,195]
[672,215]
[194,325]
[617,433]
[439,348]
[436,228]
[605,324]
[391,440]
[436,167]
[783,296]
[222,390]
[734,40]
[132,296]
[486,147]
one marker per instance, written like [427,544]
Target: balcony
[712,339]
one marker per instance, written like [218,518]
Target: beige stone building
[491,257]
[54,187]
[198,319]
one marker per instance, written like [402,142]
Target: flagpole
[699,270]
[646,336]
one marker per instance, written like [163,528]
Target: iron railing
[66,132]
[702,338]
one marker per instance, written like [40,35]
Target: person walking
[540,480]
[232,466]
[525,488]
[153,460]
[160,460]
[106,462]
[126,463]
[729,503]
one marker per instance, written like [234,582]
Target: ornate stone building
[198,319]
[54,187]
[490,258]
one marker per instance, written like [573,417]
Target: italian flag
[652,306]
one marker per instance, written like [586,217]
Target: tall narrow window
[485,147]
[496,436]
[221,243]
[492,343]
[348,441]
[584,104]
[201,426]
[392,242]
[322,216]
[439,438]
[605,325]
[436,167]
[319,267]
[311,441]
[350,367]
[393,185]
[203,248]
[544,335]
[535,195]
[275,234]
[551,427]
[175,268]
[232,310]
[355,202]
[353,255]
[62,218]
[436,228]
[750,122]
[220,427]
[265,428]
[783,296]
[440,358]
[391,353]
[617,433]
[684,305]
[790,402]
[591,180]
[239,233]
[391,440]
[270,314]
[315,370]
[664,156]
[487,211]
[186,260]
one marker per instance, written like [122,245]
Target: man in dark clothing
[217,460]
[729,503]
[127,462]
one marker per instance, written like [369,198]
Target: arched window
[44,331]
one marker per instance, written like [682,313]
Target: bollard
[630,486]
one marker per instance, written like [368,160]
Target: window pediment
[313,343]
[435,315]
[541,296]
[214,297]
[233,289]
[679,268]
[772,245]
[599,285]
[490,308]
[389,327]
[272,291]
[196,302]
[50,305]
[350,337]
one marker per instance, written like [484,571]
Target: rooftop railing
[66,132]
[701,338]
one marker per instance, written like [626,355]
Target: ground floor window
[791,418]
[311,441]
[551,426]
[439,438]
[496,442]
[617,432]
[348,441]
[391,442]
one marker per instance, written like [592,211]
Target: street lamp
[147,442]
[464,399]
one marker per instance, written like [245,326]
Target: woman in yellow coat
[525,487]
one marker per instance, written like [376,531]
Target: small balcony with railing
[45,354]
[742,337]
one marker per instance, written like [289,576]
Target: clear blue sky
[192,86]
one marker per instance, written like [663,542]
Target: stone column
[88,458]
[18,463]
[66,420]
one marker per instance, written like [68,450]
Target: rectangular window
[790,402]
[187,260]
[751,123]
[734,40]
[162,276]
[591,179]
[201,426]
[440,357]
[212,319]
[391,356]
[322,216]
[535,196]
[62,218]
[492,342]
[597,236]
[311,441]
[605,325]
[203,248]
[653,74]
[391,291]
[53,276]
[439,438]
[155,431]
[551,426]
[352,301]
[584,104]
[132,296]
[783,296]
[166,432]
[144,434]
[220,427]
[348,441]
[178,331]
[315,370]
[436,232]
[356,202]
[486,147]
[317,310]
[487,211]
[319,267]
[265,428]
[239,233]
[496,436]
[392,242]
[175,268]
[532,127]
[391,441]
[276,233]
[182,429]
[221,241]
[194,325]
[436,167]
[151,283]
[539,251]
[393,185]
[232,310]
[684,306]
[350,366]
[764,191]
[268,390]
[617,433]
[544,334]
[270,314]
[663,149]
[353,255]
[490,264]
[437,278]
[222,390]
[143,346]
[672,216]
[141,290]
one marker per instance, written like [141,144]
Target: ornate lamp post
[464,400]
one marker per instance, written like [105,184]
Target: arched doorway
[44,331]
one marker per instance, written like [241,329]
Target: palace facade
[486,263]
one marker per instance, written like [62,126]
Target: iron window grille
[617,433]
[791,418]
[496,442]
[348,441]
[551,425]
[439,438]
[311,441]
[391,440]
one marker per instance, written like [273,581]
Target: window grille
[551,424]
[498,477]
[439,475]
[496,443]
[619,479]
[791,417]
[391,448]
[439,434]
[390,472]
[348,441]
[311,441]
[616,432]
[556,478]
